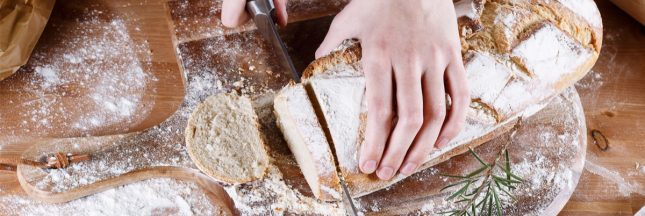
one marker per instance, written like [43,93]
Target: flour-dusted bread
[340,100]
[517,54]
[302,129]
[223,139]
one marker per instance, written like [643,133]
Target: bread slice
[301,128]
[341,101]
[223,139]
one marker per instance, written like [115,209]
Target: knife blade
[348,202]
[264,15]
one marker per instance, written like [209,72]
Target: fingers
[455,78]
[378,74]
[281,11]
[234,13]
[434,112]
[338,32]
[409,105]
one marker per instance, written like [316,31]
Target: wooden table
[613,96]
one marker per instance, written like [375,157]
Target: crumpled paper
[21,24]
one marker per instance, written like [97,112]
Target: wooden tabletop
[613,96]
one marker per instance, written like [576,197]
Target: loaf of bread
[223,139]
[301,128]
[517,54]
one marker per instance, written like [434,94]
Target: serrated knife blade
[264,16]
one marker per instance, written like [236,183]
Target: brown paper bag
[21,24]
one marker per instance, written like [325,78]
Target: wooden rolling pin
[635,8]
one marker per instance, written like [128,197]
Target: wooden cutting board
[217,63]
[548,151]
[100,68]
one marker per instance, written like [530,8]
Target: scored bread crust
[519,48]
[196,145]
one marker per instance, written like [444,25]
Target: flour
[310,128]
[486,77]
[277,198]
[149,197]
[625,187]
[340,100]
[507,22]
[587,9]
[49,76]
[550,54]
[549,170]
[98,64]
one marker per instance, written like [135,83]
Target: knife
[264,15]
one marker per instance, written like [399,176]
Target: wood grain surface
[32,107]
[612,95]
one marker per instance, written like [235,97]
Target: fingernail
[369,166]
[408,169]
[442,142]
[385,173]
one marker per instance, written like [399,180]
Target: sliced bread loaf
[517,56]
[301,128]
[223,139]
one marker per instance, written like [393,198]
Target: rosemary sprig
[484,182]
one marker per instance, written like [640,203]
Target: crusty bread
[517,55]
[301,128]
[223,139]
[340,100]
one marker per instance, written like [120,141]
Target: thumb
[234,13]
[339,31]
[281,11]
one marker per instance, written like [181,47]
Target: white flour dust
[149,197]
[277,198]
[625,187]
[97,63]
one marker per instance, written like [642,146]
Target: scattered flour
[99,64]
[278,198]
[548,170]
[149,197]
[591,82]
[163,145]
[625,187]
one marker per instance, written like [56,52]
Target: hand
[411,59]
[234,12]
